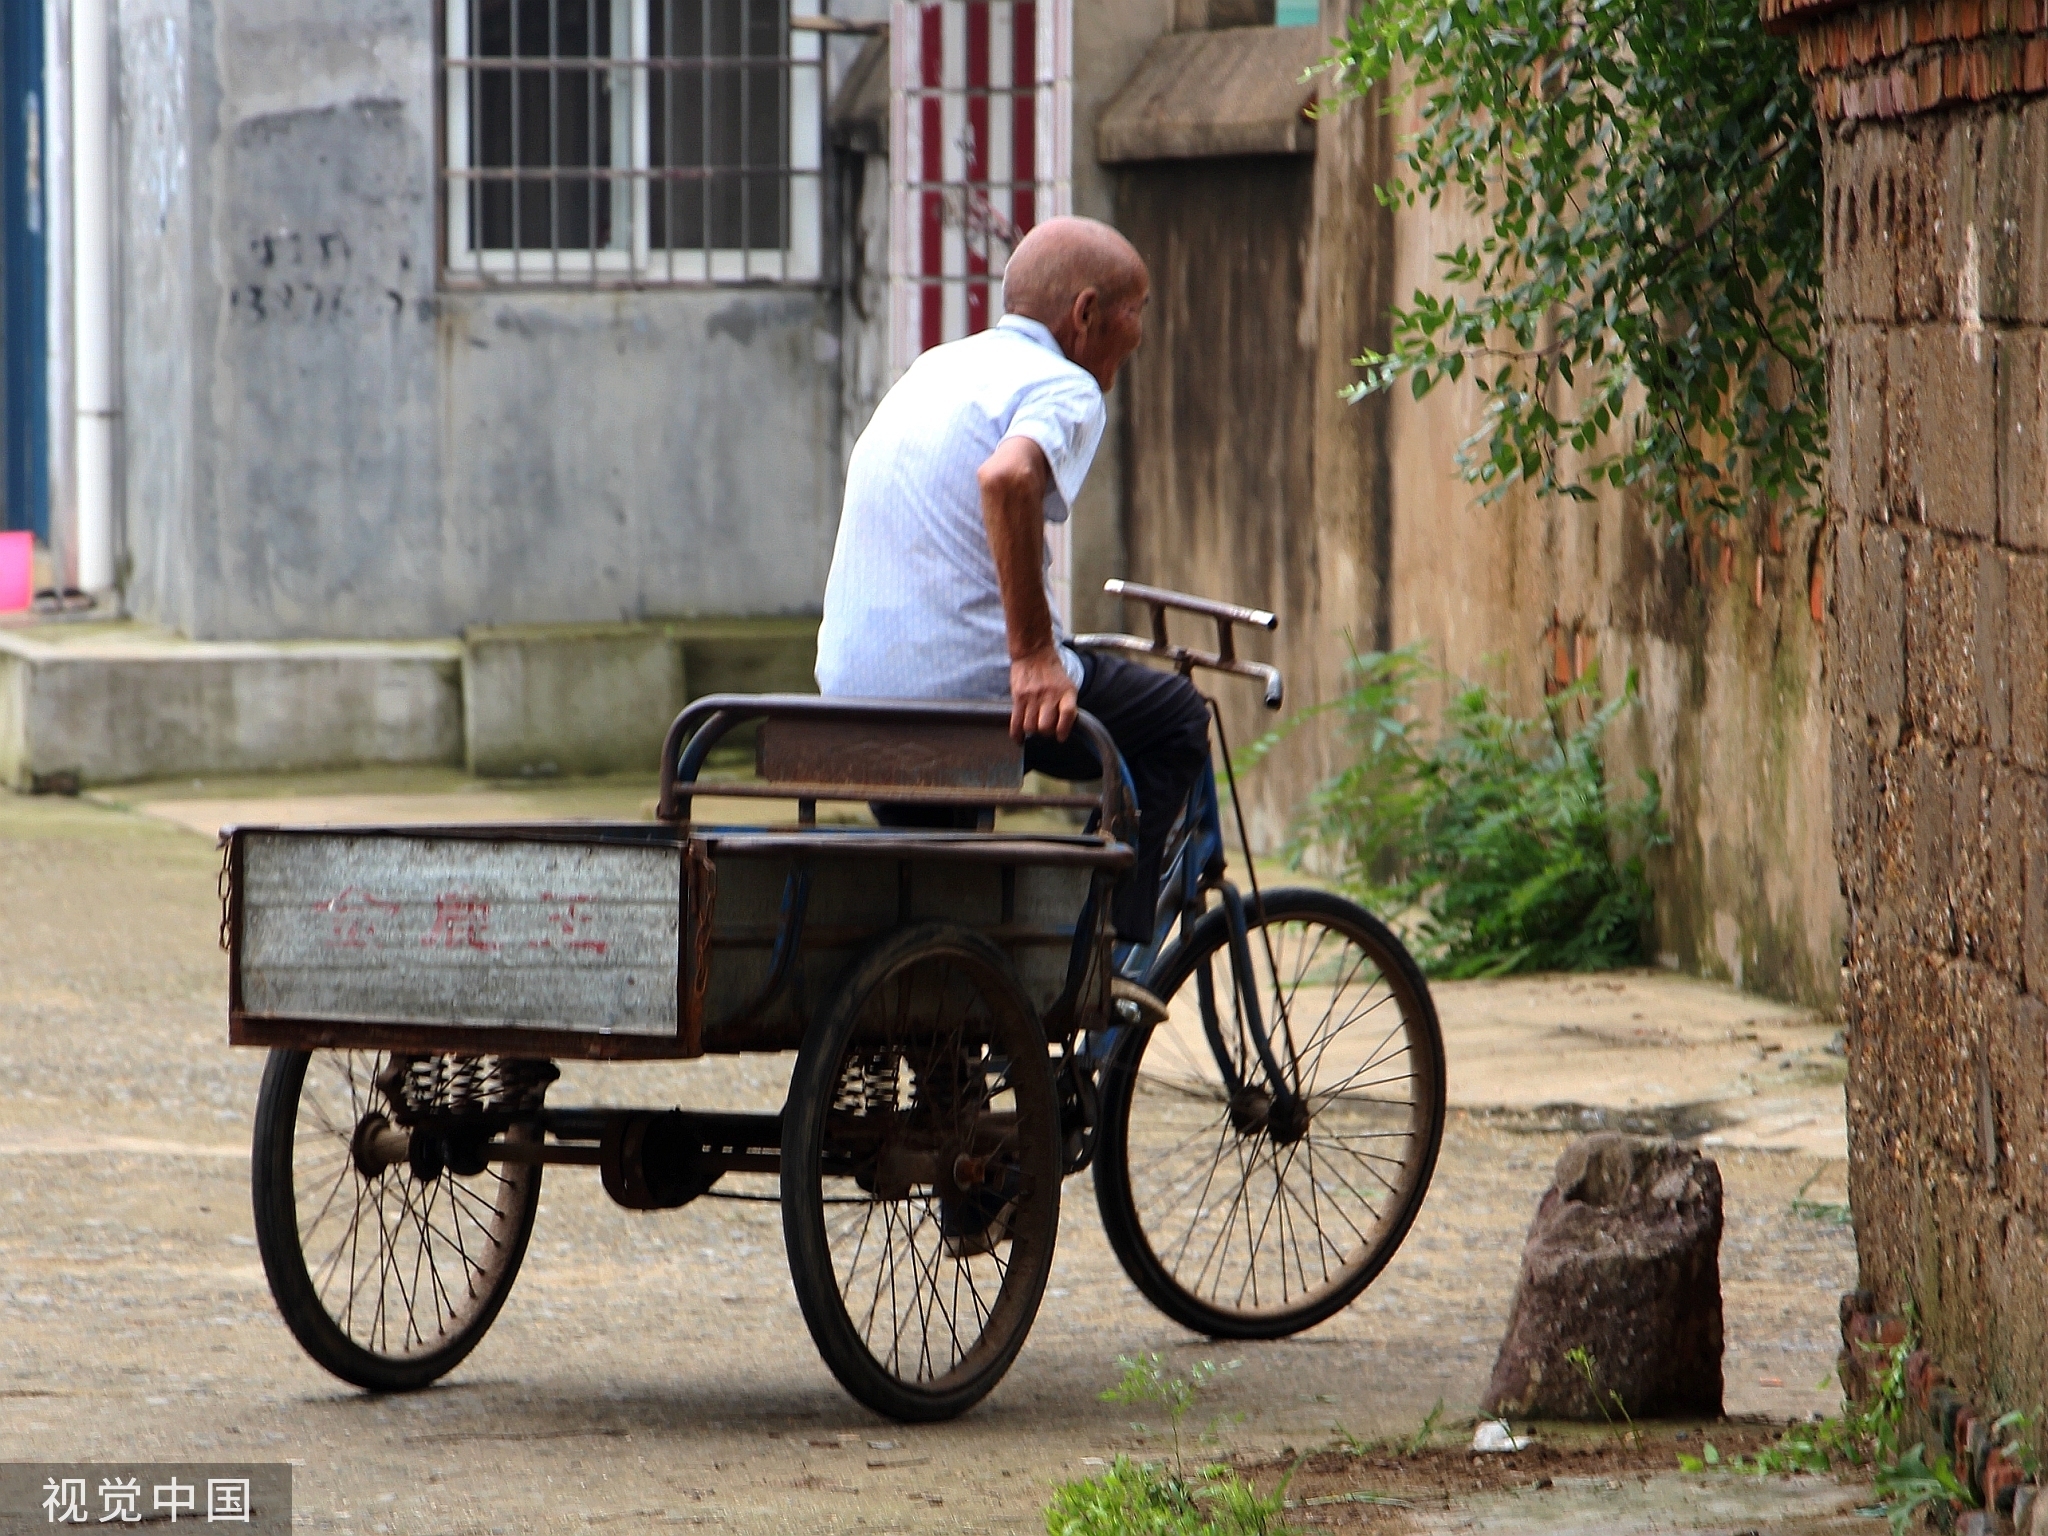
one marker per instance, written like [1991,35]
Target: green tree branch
[1648,176]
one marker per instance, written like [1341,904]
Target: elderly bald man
[940,583]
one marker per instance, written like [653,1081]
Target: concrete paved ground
[652,1370]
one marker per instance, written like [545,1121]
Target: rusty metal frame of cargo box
[958,778]
[701,726]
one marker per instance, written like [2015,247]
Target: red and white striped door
[980,135]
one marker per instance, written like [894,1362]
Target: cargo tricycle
[1262,1118]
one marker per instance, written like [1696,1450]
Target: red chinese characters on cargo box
[566,925]
[460,922]
[464,922]
[357,916]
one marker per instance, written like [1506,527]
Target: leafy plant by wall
[1493,836]
[1647,176]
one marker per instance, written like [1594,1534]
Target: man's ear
[1086,308]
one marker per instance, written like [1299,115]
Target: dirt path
[652,1370]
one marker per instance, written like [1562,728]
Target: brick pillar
[1937,653]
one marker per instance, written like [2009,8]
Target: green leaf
[1648,179]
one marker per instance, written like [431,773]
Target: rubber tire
[811,1266]
[284,1260]
[1210,936]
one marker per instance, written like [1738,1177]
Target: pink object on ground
[17,568]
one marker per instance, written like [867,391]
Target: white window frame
[632,260]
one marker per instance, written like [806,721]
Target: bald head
[1086,284]
[1059,259]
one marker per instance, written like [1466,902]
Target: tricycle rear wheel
[921,1174]
[389,1272]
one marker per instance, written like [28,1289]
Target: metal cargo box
[541,940]
[609,941]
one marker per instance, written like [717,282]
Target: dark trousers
[1160,725]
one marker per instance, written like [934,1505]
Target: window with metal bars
[632,141]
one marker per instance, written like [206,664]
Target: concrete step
[120,701]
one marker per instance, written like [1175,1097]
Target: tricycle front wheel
[390,1251]
[921,1174]
[1241,1210]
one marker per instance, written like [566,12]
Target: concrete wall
[864,372]
[164,111]
[1718,626]
[321,443]
[106,703]
[1253,480]
[547,699]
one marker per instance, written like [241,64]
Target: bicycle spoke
[1224,1143]
[1280,1198]
[922,1076]
[401,1264]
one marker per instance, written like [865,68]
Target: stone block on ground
[1623,1261]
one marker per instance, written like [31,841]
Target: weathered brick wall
[1908,56]
[1937,660]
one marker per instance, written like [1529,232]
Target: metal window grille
[633,141]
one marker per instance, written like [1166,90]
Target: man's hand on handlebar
[1043,700]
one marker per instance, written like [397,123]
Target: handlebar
[1161,598]
[1223,659]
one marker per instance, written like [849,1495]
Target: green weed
[2017,1430]
[1500,829]
[1356,1496]
[1830,1213]
[1145,1380]
[1910,1484]
[1142,1499]
[1637,303]
[1582,1361]
[1132,1498]
[1867,1437]
[1402,1446]
[1426,1432]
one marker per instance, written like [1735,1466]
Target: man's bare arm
[1013,484]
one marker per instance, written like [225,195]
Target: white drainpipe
[93,291]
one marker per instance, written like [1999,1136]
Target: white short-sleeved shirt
[913,607]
